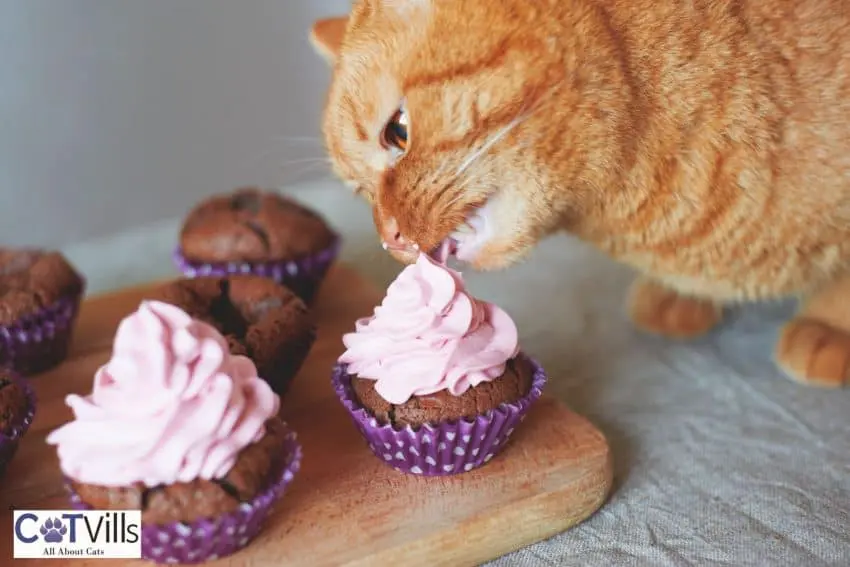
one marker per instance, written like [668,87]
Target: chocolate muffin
[39,297]
[257,466]
[179,428]
[260,319]
[14,402]
[444,406]
[17,409]
[258,232]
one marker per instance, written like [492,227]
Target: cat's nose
[392,236]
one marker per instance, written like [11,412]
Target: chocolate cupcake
[182,430]
[259,318]
[440,406]
[17,409]
[258,232]
[40,295]
[194,500]
[435,379]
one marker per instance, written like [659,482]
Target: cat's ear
[326,36]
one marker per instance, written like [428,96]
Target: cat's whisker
[297,139]
[288,140]
[439,171]
[300,172]
[501,133]
[464,228]
[523,114]
[269,153]
[288,177]
[306,166]
[458,194]
[312,160]
[329,178]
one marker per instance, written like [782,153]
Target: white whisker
[523,114]
[297,139]
[287,180]
[503,131]
[438,172]
[311,169]
[268,154]
[309,159]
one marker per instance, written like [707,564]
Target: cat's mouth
[467,240]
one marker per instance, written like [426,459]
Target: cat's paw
[656,309]
[815,353]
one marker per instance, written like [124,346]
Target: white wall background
[116,113]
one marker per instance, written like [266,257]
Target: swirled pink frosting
[429,335]
[171,405]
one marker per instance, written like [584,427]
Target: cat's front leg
[658,309]
[814,347]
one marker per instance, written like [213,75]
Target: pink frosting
[171,405]
[429,335]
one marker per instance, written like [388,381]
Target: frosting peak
[171,405]
[428,335]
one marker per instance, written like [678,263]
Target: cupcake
[250,231]
[40,295]
[435,379]
[182,430]
[258,317]
[17,409]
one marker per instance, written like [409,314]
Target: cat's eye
[394,136]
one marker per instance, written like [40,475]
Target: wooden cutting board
[346,507]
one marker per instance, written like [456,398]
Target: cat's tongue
[445,250]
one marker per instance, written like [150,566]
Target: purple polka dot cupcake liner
[302,275]
[444,448]
[11,438]
[38,342]
[213,538]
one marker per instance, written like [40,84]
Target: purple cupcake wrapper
[213,538]
[444,448]
[10,440]
[302,275]
[38,342]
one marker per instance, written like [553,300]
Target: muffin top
[33,279]
[252,225]
[13,402]
[258,317]
[172,405]
[429,335]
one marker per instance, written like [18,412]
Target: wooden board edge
[552,520]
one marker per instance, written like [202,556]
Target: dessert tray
[345,506]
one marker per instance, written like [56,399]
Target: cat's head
[440,114]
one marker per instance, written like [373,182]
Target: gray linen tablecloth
[719,459]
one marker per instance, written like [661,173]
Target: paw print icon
[53,530]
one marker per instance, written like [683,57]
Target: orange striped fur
[704,143]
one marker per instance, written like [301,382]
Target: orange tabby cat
[705,143]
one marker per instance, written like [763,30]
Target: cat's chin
[492,261]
